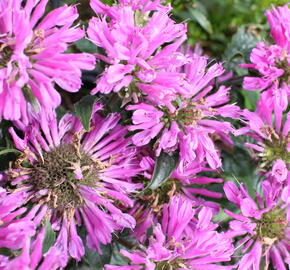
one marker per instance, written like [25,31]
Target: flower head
[32,56]
[184,239]
[263,223]
[132,33]
[183,182]
[73,177]
[279,20]
[271,139]
[273,61]
[190,121]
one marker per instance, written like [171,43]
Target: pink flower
[263,224]
[72,177]
[273,61]
[279,170]
[32,57]
[185,182]
[271,139]
[189,123]
[132,34]
[184,239]
[145,118]
[279,20]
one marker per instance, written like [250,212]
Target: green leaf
[84,110]
[85,45]
[49,238]
[201,19]
[239,49]
[96,260]
[60,112]
[165,164]
[250,98]
[239,166]
[7,151]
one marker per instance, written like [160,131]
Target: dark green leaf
[49,237]
[164,166]
[85,45]
[117,258]
[84,110]
[60,112]
[238,166]
[250,98]
[201,19]
[96,260]
[7,151]
[239,49]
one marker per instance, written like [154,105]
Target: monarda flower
[72,177]
[271,140]
[185,183]
[132,34]
[185,238]
[32,56]
[263,225]
[272,62]
[192,120]
[279,20]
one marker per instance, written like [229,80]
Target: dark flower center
[272,225]
[7,48]
[187,116]
[57,173]
[155,199]
[275,148]
[166,265]
[285,66]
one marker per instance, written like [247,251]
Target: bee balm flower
[263,224]
[74,177]
[32,57]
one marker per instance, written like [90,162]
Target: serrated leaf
[7,151]
[165,164]
[84,110]
[201,19]
[49,238]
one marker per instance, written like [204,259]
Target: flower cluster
[33,59]
[272,140]
[154,168]
[173,90]
[185,239]
[272,62]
